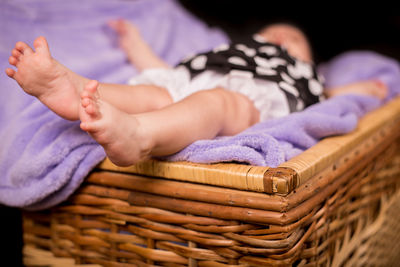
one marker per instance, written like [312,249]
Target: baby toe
[23,48]
[92,109]
[13,61]
[90,126]
[15,53]
[85,126]
[10,72]
[92,86]
[85,102]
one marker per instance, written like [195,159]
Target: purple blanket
[44,158]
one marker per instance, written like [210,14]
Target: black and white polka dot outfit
[276,82]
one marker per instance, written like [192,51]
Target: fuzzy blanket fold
[44,159]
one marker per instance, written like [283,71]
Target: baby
[164,109]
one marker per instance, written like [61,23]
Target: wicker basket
[336,204]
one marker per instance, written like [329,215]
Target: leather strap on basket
[280,180]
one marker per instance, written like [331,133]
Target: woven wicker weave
[337,204]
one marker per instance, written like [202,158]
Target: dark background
[330,30]
[11,237]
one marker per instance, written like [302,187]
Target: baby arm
[374,88]
[135,47]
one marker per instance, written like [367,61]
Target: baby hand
[374,88]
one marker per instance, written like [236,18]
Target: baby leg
[128,138]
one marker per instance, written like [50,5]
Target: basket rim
[375,127]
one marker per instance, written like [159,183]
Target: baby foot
[136,49]
[374,88]
[118,132]
[40,75]
[129,36]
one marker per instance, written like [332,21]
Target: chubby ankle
[145,141]
[79,82]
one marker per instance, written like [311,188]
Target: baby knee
[164,99]
[240,112]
